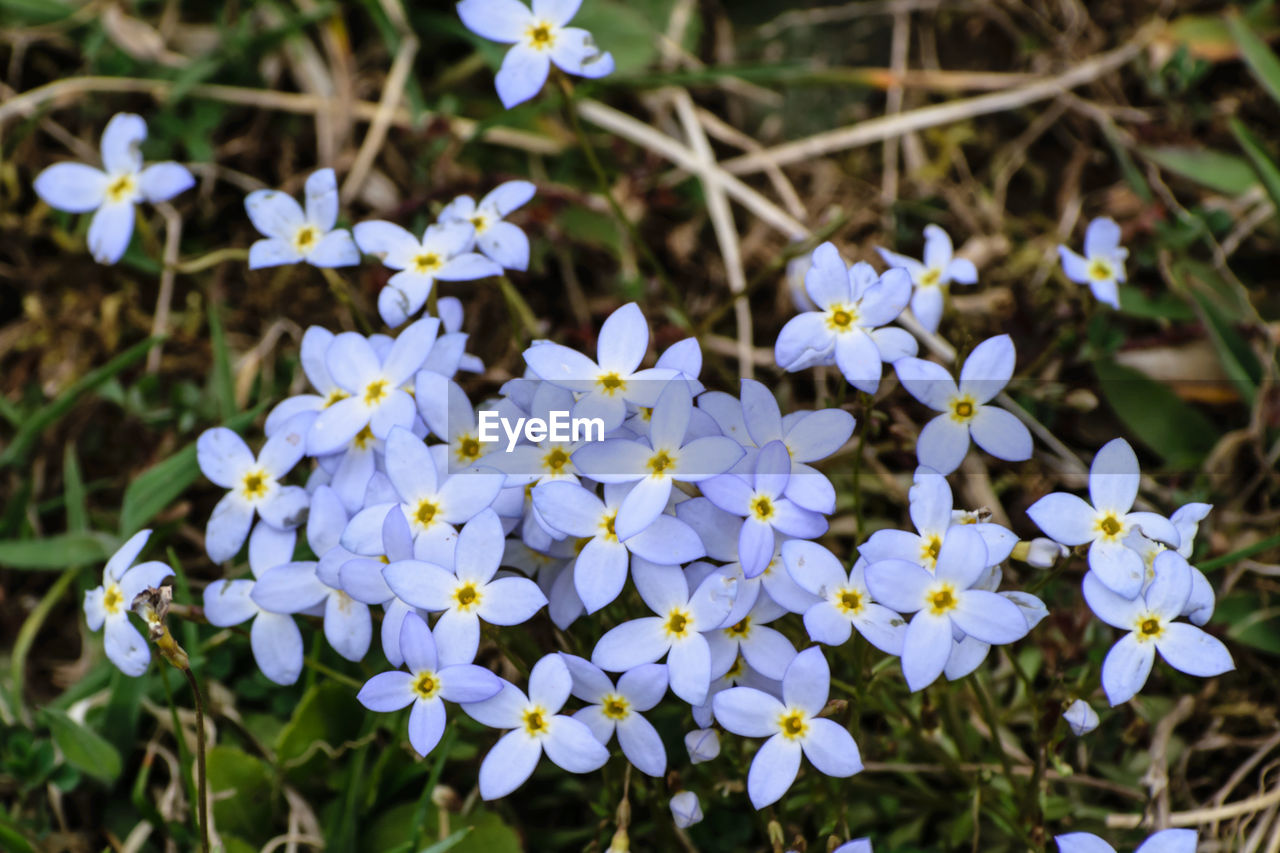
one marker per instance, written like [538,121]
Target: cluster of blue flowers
[708,502]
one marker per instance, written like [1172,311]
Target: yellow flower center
[677,623]
[659,462]
[468,448]
[337,395]
[841,318]
[1110,526]
[963,408]
[607,523]
[113,599]
[306,238]
[467,596]
[615,707]
[535,721]
[555,461]
[479,223]
[1100,270]
[426,263]
[930,277]
[121,189]
[740,629]
[611,382]
[540,36]
[375,392]
[426,512]
[929,551]
[255,484]
[849,601]
[762,508]
[793,725]
[426,685]
[942,599]
[363,438]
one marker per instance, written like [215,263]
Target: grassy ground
[1154,120]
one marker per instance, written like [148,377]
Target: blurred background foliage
[1176,140]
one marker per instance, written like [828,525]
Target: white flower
[293,235]
[537,39]
[1102,266]
[685,809]
[113,190]
[499,240]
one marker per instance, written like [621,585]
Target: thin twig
[374,138]
[160,322]
[877,130]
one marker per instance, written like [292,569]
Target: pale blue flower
[443,253]
[312,353]
[360,576]
[500,241]
[685,809]
[434,676]
[538,39]
[108,605]
[1149,619]
[1080,717]
[114,190]
[931,278]
[931,507]
[792,726]
[293,234]
[536,727]
[606,387]
[600,570]
[1102,266]
[470,592]
[759,500]
[766,649]
[1113,487]
[674,632]
[254,484]
[611,709]
[856,845]
[659,461]
[1165,841]
[944,441]
[845,600]
[432,501]
[944,601]
[375,384]
[852,304]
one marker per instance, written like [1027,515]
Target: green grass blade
[1261,61]
[1261,162]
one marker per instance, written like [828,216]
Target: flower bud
[703,745]
[1039,552]
[685,809]
[1081,717]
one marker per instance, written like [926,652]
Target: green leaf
[1217,170]
[328,714]
[55,553]
[449,843]
[1237,358]
[1261,61]
[242,792]
[1160,419]
[73,492]
[621,29]
[47,415]
[11,839]
[1249,622]
[223,382]
[84,749]
[1262,164]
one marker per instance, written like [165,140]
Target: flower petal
[509,764]
[1191,650]
[163,181]
[522,74]
[1126,668]
[773,770]
[73,187]
[831,749]
[121,143]
[110,230]
[1113,477]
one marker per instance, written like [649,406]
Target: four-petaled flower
[294,234]
[107,606]
[931,278]
[792,726]
[611,709]
[498,240]
[1165,841]
[538,38]
[1102,266]
[114,189]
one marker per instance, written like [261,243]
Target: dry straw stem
[160,322]
[886,127]
[1198,817]
[392,92]
[74,88]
